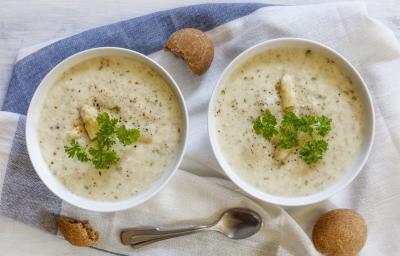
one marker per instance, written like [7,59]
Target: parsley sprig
[265,125]
[313,151]
[291,127]
[75,149]
[101,152]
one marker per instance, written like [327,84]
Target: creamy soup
[139,98]
[320,88]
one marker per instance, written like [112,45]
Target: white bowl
[359,86]
[33,143]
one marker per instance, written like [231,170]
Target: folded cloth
[366,43]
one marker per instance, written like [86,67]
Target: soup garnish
[295,131]
[100,152]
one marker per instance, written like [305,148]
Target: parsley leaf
[127,136]
[107,126]
[288,131]
[287,136]
[103,158]
[75,149]
[288,139]
[290,121]
[265,125]
[306,123]
[323,125]
[313,151]
[100,153]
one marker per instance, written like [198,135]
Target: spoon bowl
[238,223]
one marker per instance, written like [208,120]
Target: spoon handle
[137,237]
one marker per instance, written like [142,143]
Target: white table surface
[27,22]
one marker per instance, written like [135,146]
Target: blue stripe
[24,197]
[145,34]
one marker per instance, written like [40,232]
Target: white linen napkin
[375,193]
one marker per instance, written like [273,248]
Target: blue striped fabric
[145,34]
[24,197]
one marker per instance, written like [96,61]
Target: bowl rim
[33,147]
[347,177]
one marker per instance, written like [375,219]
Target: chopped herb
[288,139]
[75,149]
[116,109]
[322,125]
[313,151]
[103,158]
[305,123]
[101,153]
[265,125]
[290,121]
[107,127]
[287,136]
[127,136]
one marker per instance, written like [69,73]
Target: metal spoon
[235,223]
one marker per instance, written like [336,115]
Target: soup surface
[320,88]
[139,98]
